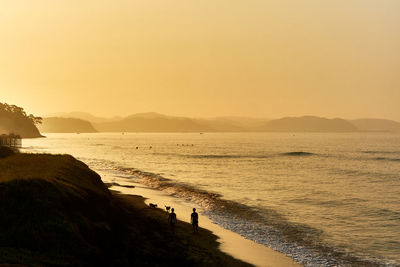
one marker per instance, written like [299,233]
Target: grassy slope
[56,211]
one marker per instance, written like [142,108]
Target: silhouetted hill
[221,125]
[245,122]
[146,123]
[376,125]
[235,124]
[66,125]
[156,122]
[308,124]
[149,115]
[13,119]
[55,211]
[84,116]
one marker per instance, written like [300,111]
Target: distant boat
[201,133]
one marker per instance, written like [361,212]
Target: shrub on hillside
[6,151]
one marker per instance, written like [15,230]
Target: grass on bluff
[55,211]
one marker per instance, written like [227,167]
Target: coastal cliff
[56,211]
[13,119]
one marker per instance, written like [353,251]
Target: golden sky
[202,58]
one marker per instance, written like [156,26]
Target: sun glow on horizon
[202,59]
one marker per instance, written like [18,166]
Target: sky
[331,58]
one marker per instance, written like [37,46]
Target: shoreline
[112,154]
[58,212]
[231,243]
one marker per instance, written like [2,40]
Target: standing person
[172,220]
[194,218]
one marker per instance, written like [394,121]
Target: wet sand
[230,243]
[58,212]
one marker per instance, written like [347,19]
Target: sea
[324,199]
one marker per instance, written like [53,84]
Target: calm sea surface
[323,199]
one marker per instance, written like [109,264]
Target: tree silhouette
[13,119]
[14,111]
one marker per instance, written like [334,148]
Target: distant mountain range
[155,122]
[84,116]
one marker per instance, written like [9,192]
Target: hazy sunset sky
[333,58]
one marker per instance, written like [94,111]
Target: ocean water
[323,199]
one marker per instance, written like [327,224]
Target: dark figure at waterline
[194,218]
[172,220]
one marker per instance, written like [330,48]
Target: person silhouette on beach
[194,218]
[172,219]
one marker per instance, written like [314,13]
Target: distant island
[309,124]
[66,125]
[376,125]
[13,119]
[155,122]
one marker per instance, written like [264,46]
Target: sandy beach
[58,212]
[230,243]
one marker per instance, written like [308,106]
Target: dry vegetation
[56,211]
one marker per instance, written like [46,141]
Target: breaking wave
[380,152]
[387,159]
[233,156]
[265,226]
[298,153]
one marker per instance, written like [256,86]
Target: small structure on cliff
[10,140]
